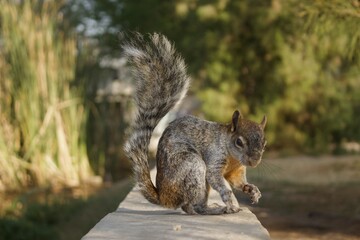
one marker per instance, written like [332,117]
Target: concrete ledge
[138,219]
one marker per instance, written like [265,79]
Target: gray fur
[193,154]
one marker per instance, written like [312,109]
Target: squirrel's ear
[235,120]
[263,122]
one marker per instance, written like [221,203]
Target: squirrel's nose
[254,162]
[257,154]
[256,158]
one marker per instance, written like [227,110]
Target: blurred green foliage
[29,219]
[69,214]
[296,61]
[23,230]
[40,220]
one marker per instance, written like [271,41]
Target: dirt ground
[308,197]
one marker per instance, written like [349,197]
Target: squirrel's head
[247,141]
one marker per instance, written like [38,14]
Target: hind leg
[189,209]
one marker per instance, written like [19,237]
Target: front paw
[253,191]
[229,198]
[232,209]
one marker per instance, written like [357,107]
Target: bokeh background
[65,106]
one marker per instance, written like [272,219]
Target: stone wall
[136,218]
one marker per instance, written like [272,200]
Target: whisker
[269,169]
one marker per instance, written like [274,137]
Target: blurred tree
[296,61]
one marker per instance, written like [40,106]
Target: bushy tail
[161,83]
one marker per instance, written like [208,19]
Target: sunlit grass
[42,114]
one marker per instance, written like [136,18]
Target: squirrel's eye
[239,143]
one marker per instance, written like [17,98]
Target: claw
[233,209]
[253,191]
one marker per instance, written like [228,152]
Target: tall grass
[42,115]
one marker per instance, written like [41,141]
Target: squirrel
[193,155]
